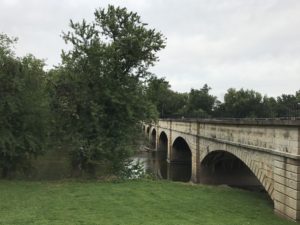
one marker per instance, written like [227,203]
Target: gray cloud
[243,44]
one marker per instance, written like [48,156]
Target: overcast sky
[253,44]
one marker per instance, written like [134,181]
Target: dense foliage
[200,103]
[166,101]
[23,109]
[99,96]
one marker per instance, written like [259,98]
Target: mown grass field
[131,202]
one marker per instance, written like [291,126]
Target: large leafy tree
[168,103]
[288,105]
[99,96]
[158,91]
[200,102]
[23,108]
[243,103]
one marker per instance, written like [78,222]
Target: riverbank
[131,202]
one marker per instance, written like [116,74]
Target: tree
[200,102]
[99,96]
[167,102]
[288,105]
[176,104]
[243,103]
[23,109]
[269,107]
[158,90]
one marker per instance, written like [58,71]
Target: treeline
[199,103]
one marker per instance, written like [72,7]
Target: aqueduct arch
[162,142]
[181,152]
[222,167]
[180,160]
[161,156]
[162,146]
[148,130]
[256,170]
[153,138]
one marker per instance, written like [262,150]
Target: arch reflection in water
[179,166]
[156,163]
[170,171]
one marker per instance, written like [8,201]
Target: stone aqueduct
[270,149]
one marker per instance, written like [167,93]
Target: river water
[155,162]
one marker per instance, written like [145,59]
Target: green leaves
[200,102]
[98,94]
[23,109]
[6,43]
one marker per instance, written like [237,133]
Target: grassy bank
[132,202]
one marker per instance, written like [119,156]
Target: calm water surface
[156,163]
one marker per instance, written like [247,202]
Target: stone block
[287,174]
[287,182]
[287,200]
[286,166]
[293,193]
[286,211]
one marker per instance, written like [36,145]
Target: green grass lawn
[132,202]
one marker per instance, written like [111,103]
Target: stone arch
[147,130]
[153,138]
[181,155]
[162,145]
[161,155]
[180,150]
[162,142]
[186,138]
[248,165]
